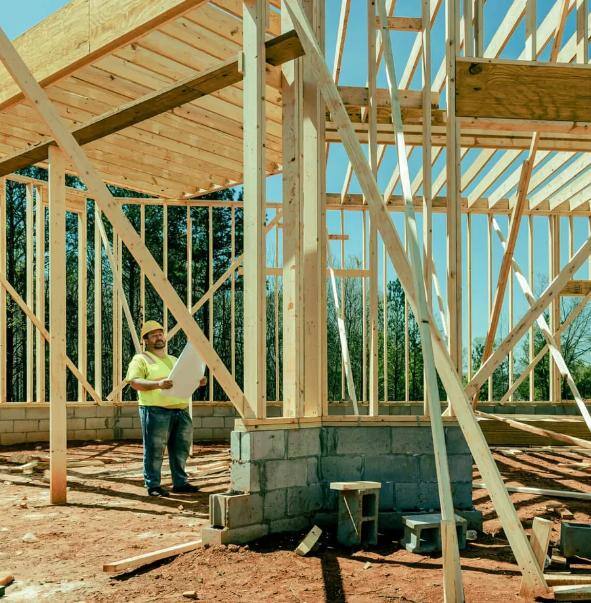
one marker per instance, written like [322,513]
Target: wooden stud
[469,275]
[534,580]
[142,274]
[189,257]
[164,262]
[98,301]
[57,327]
[3,338]
[254,18]
[210,306]
[540,538]
[82,301]
[30,362]
[554,256]
[531,342]
[293,311]
[233,294]
[364,396]
[342,303]
[582,31]
[40,291]
[115,376]
[490,293]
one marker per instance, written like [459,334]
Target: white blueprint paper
[186,374]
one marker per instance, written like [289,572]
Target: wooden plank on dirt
[145,558]
[580,592]
[522,90]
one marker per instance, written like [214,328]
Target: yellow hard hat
[149,326]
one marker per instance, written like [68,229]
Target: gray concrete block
[85,412]
[245,477]
[37,436]
[285,473]
[473,517]
[303,442]
[575,539]
[390,521]
[410,440]
[455,442]
[203,410]
[221,434]
[128,410]
[363,440]
[213,536]
[11,414]
[223,411]
[460,467]
[131,434]
[6,426]
[76,424]
[105,411]
[44,425]
[289,524]
[341,468]
[328,441]
[263,445]
[84,435]
[428,497]
[406,496]
[462,495]
[395,468]
[304,500]
[275,505]
[136,422]
[124,422]
[7,439]
[235,510]
[427,470]
[229,422]
[213,422]
[97,423]
[37,413]
[104,434]
[69,412]
[202,434]
[235,438]
[26,425]
[312,472]
[387,496]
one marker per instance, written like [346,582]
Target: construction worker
[165,420]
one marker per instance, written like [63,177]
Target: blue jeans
[163,427]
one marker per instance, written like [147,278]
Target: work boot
[185,489]
[157,491]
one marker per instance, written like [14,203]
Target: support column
[254,19]
[454,217]
[293,324]
[3,201]
[82,300]
[30,284]
[40,291]
[554,242]
[98,300]
[57,327]
[314,243]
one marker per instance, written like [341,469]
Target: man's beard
[159,344]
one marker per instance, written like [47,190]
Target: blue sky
[26,13]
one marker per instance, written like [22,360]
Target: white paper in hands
[186,374]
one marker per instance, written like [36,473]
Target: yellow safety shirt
[152,367]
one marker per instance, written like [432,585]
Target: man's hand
[165,384]
[203,382]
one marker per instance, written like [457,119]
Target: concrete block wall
[280,478]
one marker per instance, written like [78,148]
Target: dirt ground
[109,518]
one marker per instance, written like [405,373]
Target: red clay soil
[109,518]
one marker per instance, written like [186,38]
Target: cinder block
[289,524]
[96,423]
[428,497]
[85,412]
[409,440]
[406,496]
[262,445]
[44,425]
[128,410]
[455,442]
[395,468]
[69,412]
[105,411]
[7,439]
[84,434]
[223,411]
[245,477]
[575,539]
[275,505]
[312,473]
[37,436]
[11,414]
[341,468]
[221,434]
[389,521]
[235,510]
[427,470]
[104,434]
[328,441]
[462,495]
[387,496]
[229,422]
[76,424]
[235,438]
[422,532]
[6,426]
[213,422]
[37,413]
[473,517]
[131,434]
[26,425]
[203,410]
[303,442]
[285,473]
[202,434]
[460,467]
[213,536]
[304,500]
[124,422]
[363,440]
[136,422]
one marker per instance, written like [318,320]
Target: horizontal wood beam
[523,90]
[280,49]
[358,96]
[404,23]
[577,288]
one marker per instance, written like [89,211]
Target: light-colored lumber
[540,538]
[3,339]
[40,292]
[98,302]
[564,579]
[452,575]
[29,278]
[533,577]
[82,300]
[98,191]
[573,441]
[145,558]
[405,23]
[543,492]
[57,326]
[572,593]
[557,365]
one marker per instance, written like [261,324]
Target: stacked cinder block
[288,472]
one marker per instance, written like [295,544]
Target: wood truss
[178,98]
